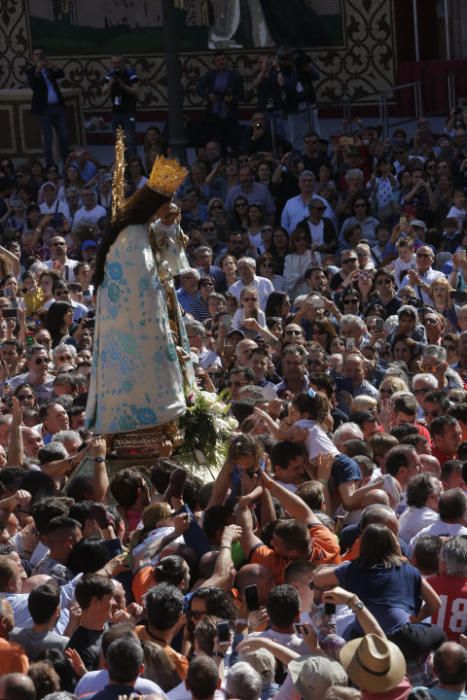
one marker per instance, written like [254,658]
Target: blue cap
[88,244]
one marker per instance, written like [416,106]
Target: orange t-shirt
[324,550]
[178,661]
[354,552]
[12,658]
[143,580]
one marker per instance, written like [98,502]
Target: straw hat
[373,663]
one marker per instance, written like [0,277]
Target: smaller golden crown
[166,176]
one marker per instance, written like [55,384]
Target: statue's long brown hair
[138,209]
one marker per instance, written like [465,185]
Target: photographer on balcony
[122,84]
[222,87]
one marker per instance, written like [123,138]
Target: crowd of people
[325,304]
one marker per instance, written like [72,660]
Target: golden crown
[166,176]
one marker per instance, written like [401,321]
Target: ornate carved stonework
[362,66]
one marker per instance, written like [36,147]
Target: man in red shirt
[446,434]
[451,586]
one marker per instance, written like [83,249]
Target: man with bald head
[376,496]
[422,277]
[17,686]
[243,352]
[32,442]
[430,465]
[255,575]
[450,667]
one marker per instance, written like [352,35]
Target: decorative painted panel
[353,43]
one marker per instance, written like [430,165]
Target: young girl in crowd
[308,420]
[406,259]
[249,308]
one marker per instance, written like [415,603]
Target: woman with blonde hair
[440,294]
[390,385]
[363,403]
[365,260]
[249,308]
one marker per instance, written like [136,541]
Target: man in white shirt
[283,608]
[423,493]
[90,212]
[452,513]
[423,276]
[51,203]
[298,208]
[59,260]
[246,268]
[11,590]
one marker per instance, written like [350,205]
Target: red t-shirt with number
[452,615]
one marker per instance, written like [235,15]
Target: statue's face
[169,218]
[163,211]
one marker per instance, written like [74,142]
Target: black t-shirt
[314,164]
[88,645]
[122,101]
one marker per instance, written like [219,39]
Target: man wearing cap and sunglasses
[51,203]
[423,276]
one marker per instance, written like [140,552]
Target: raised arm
[224,564]
[367,621]
[280,652]
[293,504]
[248,539]
[100,478]
[221,485]
[16,447]
[431,602]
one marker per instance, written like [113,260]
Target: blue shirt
[186,301]
[391,594]
[52,97]
[345,469]
[443,694]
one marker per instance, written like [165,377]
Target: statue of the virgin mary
[139,378]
